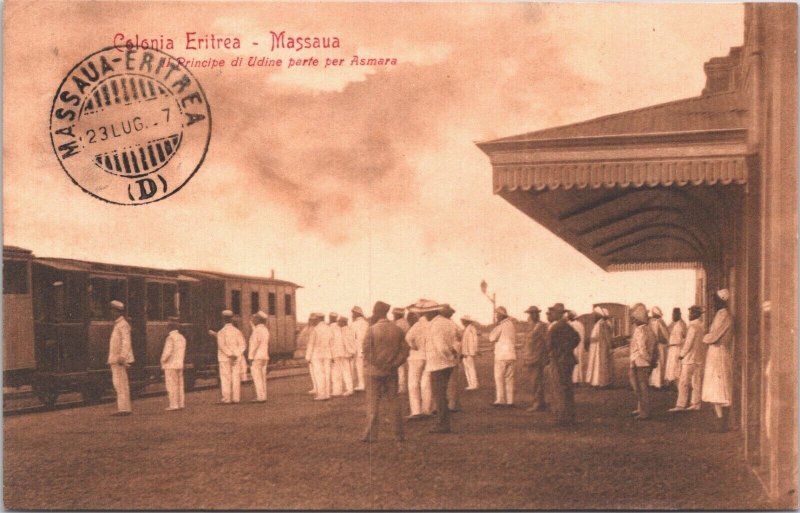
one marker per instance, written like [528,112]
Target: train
[57,320]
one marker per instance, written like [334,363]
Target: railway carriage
[57,320]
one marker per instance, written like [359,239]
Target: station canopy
[644,189]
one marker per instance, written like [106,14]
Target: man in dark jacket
[385,350]
[535,356]
[562,339]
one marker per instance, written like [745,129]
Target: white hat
[598,310]
[724,294]
[358,310]
[656,312]
[119,305]
[261,315]
[639,312]
[227,313]
[424,306]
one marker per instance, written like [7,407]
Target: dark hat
[533,309]
[676,310]
[380,309]
[447,310]
[558,307]
[696,309]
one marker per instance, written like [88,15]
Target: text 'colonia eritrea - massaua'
[130,126]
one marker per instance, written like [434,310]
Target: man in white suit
[230,351]
[420,393]
[692,355]
[120,357]
[399,318]
[504,337]
[319,354]
[172,362]
[258,355]
[359,328]
[469,349]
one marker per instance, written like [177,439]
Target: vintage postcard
[403,256]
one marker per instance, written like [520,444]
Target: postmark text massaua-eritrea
[130,127]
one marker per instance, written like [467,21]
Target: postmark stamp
[130,126]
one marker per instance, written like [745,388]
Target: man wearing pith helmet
[230,351]
[504,337]
[120,357]
[643,358]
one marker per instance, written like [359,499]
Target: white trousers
[173,379]
[119,378]
[341,376]
[504,381]
[402,378]
[420,393]
[230,379]
[313,378]
[470,372]
[322,376]
[691,375]
[258,370]
[360,384]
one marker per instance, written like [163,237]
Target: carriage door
[136,313]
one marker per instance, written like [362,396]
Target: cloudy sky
[359,183]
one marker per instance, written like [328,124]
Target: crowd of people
[422,351]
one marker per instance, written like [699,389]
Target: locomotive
[57,320]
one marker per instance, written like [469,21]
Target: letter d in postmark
[130,126]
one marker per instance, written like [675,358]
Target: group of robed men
[700,362]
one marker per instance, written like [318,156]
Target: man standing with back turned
[385,350]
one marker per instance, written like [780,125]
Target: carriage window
[272,301]
[70,309]
[287,301]
[99,307]
[170,300]
[236,302]
[15,277]
[184,308]
[255,302]
[154,306]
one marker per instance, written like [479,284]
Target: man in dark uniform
[535,356]
[562,339]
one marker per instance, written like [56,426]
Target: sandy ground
[296,453]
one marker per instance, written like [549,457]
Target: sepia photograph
[347,256]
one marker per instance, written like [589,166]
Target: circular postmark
[130,126]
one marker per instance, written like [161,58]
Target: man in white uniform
[441,356]
[359,328]
[258,355]
[692,356]
[642,360]
[338,356]
[659,328]
[350,351]
[579,374]
[504,338]
[420,393]
[400,321]
[172,362]
[230,351]
[319,354]
[120,357]
[469,349]
[718,372]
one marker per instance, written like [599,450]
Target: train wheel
[48,395]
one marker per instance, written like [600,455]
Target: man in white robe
[230,352]
[172,357]
[677,334]
[579,375]
[259,355]
[359,328]
[599,370]
[120,357]
[718,372]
